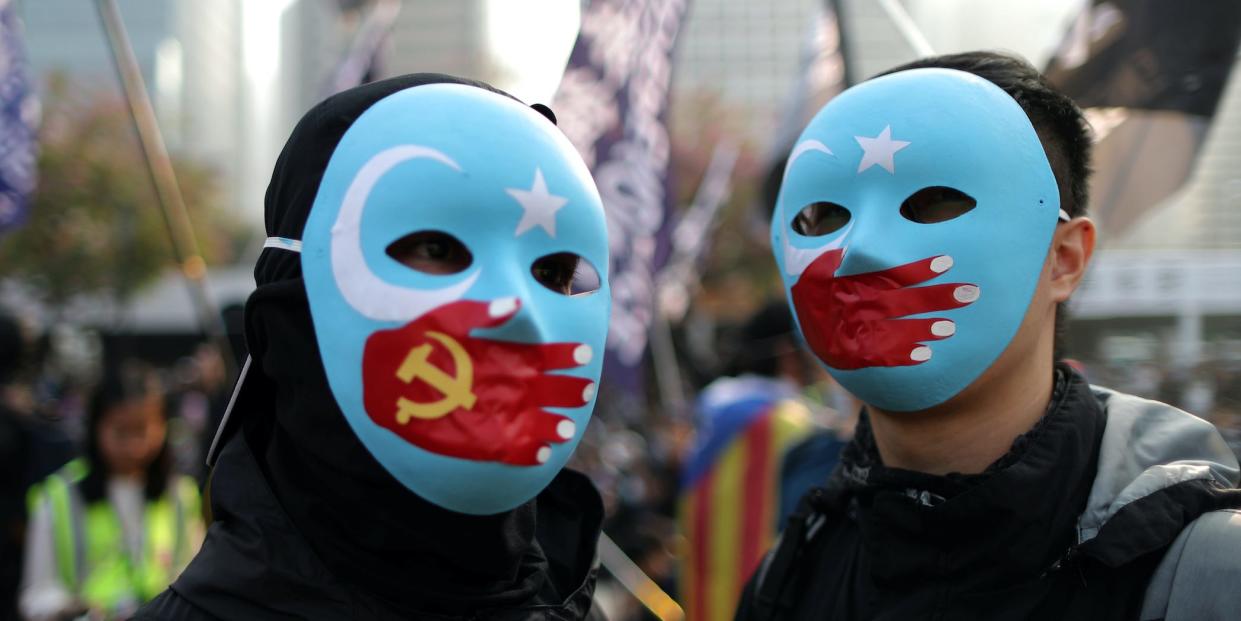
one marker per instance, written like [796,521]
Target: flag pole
[905,25]
[679,277]
[637,582]
[185,251]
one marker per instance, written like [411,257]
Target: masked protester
[424,343]
[929,224]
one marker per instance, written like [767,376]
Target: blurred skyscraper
[746,53]
[228,78]
[65,35]
[444,37]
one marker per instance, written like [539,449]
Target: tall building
[65,36]
[745,53]
[443,37]
[228,78]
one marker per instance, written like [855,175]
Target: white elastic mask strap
[283,243]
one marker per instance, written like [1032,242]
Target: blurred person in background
[731,486]
[200,396]
[929,228]
[433,283]
[112,529]
[30,449]
[15,450]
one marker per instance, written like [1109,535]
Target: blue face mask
[471,375]
[916,213]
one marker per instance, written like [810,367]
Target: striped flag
[731,490]
[19,111]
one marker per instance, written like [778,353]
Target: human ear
[1071,248]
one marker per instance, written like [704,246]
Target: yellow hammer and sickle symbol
[457,391]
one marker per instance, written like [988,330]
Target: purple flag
[613,104]
[19,112]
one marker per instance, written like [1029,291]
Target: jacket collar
[1010,522]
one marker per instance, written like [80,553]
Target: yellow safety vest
[91,555]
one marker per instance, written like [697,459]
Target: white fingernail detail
[583,354]
[544,454]
[943,328]
[588,392]
[564,429]
[939,265]
[966,293]
[502,307]
[920,354]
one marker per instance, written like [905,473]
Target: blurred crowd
[1211,390]
[98,446]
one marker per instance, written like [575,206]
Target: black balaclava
[369,529]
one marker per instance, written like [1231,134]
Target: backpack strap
[1198,576]
[778,570]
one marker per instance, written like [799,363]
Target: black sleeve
[168,606]
[744,607]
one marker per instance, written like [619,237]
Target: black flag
[1150,74]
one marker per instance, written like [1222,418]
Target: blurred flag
[19,112]
[824,74]
[363,60]
[678,280]
[613,103]
[731,489]
[1149,74]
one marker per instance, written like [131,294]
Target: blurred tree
[94,226]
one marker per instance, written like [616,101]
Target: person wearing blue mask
[425,342]
[929,228]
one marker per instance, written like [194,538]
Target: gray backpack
[1199,578]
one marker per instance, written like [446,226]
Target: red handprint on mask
[853,322]
[436,387]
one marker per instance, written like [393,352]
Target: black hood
[295,180]
[368,529]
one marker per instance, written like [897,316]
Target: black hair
[762,340]
[1061,127]
[123,383]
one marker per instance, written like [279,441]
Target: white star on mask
[540,206]
[880,150]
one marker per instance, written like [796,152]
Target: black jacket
[1070,524]
[255,564]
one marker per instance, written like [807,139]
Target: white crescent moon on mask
[366,292]
[803,148]
[796,260]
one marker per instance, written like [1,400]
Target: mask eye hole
[566,273]
[936,204]
[431,252]
[821,218]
